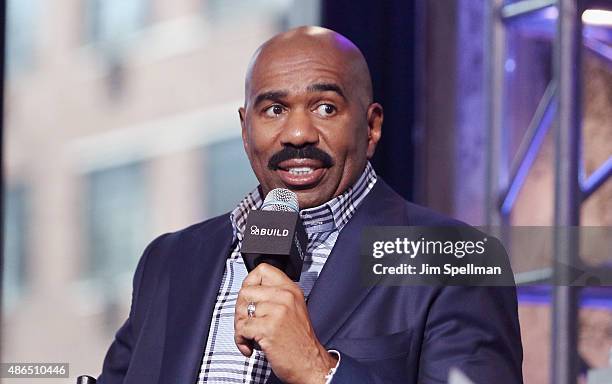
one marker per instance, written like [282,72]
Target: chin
[307,200]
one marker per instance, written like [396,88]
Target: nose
[298,130]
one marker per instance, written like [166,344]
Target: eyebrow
[317,87]
[326,87]
[270,95]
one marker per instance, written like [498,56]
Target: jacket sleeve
[474,329]
[118,357]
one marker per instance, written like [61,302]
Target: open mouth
[301,173]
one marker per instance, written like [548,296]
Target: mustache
[308,152]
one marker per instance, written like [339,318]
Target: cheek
[349,143]
[354,153]
[260,143]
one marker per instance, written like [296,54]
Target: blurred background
[121,123]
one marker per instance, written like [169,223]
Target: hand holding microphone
[270,309]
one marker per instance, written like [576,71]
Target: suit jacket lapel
[338,289]
[194,283]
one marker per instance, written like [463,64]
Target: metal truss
[561,103]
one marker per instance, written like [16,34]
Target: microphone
[275,234]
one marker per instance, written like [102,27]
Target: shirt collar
[332,215]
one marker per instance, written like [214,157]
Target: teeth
[300,171]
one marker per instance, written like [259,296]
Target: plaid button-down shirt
[222,361]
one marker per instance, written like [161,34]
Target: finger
[262,294]
[265,274]
[256,293]
[244,344]
[247,331]
[262,309]
[245,349]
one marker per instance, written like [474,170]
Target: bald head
[324,45]
[308,122]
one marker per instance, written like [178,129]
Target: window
[15,236]
[239,10]
[21,31]
[229,176]
[117,218]
[111,21]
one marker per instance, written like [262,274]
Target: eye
[274,110]
[325,110]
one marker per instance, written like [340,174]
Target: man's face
[305,126]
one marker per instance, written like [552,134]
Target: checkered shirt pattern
[222,361]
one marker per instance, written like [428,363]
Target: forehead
[294,70]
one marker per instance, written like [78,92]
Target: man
[309,124]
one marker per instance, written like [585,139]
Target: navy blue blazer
[385,334]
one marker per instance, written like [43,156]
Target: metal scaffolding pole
[567,71]
[496,169]
[524,7]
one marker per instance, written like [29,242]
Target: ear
[241,114]
[375,120]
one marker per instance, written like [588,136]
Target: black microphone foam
[275,235]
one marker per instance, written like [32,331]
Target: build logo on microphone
[255,230]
